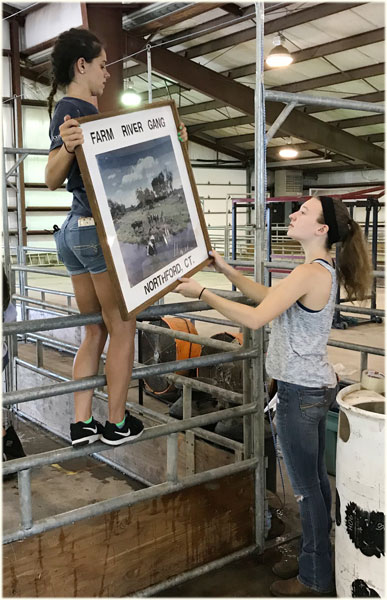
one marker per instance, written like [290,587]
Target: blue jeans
[79,248]
[300,422]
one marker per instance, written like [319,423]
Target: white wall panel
[50,21]
[6,76]
[45,197]
[7,124]
[6,36]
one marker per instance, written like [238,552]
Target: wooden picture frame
[143,197]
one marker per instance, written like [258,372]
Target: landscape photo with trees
[148,206]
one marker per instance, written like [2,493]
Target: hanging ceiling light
[279,56]
[130,96]
[288,152]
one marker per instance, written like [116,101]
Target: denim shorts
[79,248]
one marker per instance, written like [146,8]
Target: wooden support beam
[106,22]
[241,98]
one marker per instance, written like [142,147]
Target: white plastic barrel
[360,494]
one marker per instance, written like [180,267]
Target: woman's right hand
[71,133]
[219,263]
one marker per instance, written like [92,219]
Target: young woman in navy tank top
[301,307]
[79,66]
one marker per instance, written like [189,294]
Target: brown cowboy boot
[292,588]
[286,568]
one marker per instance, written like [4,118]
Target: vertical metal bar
[7,268]
[149,67]
[268,276]
[140,381]
[189,435]
[24,484]
[6,252]
[367,220]
[233,233]
[257,336]
[39,353]
[363,362]
[375,205]
[247,420]
[172,454]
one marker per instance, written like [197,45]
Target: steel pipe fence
[87,383]
[126,500]
[225,397]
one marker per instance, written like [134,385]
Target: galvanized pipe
[357,347]
[149,70]
[37,302]
[130,499]
[154,590]
[24,485]
[277,96]
[87,383]
[172,455]
[189,337]
[33,151]
[175,426]
[257,421]
[279,120]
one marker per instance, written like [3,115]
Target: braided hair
[69,47]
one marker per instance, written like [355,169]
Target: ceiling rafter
[341,45]
[298,17]
[332,79]
[241,98]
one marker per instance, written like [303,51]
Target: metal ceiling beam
[291,20]
[162,19]
[241,98]
[224,149]
[348,43]
[332,79]
[221,124]
[358,121]
[342,124]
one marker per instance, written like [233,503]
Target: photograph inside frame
[148,206]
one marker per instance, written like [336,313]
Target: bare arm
[296,285]
[60,159]
[251,289]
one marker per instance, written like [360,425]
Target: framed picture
[144,201]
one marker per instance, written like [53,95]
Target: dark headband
[330,219]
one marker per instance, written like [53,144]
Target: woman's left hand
[182,133]
[189,287]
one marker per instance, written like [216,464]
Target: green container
[330,441]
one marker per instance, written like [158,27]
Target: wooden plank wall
[119,553]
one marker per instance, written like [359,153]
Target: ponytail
[354,267]
[50,99]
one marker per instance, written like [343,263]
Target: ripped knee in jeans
[299,497]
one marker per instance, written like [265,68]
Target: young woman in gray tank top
[301,307]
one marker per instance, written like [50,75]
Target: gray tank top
[297,351]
